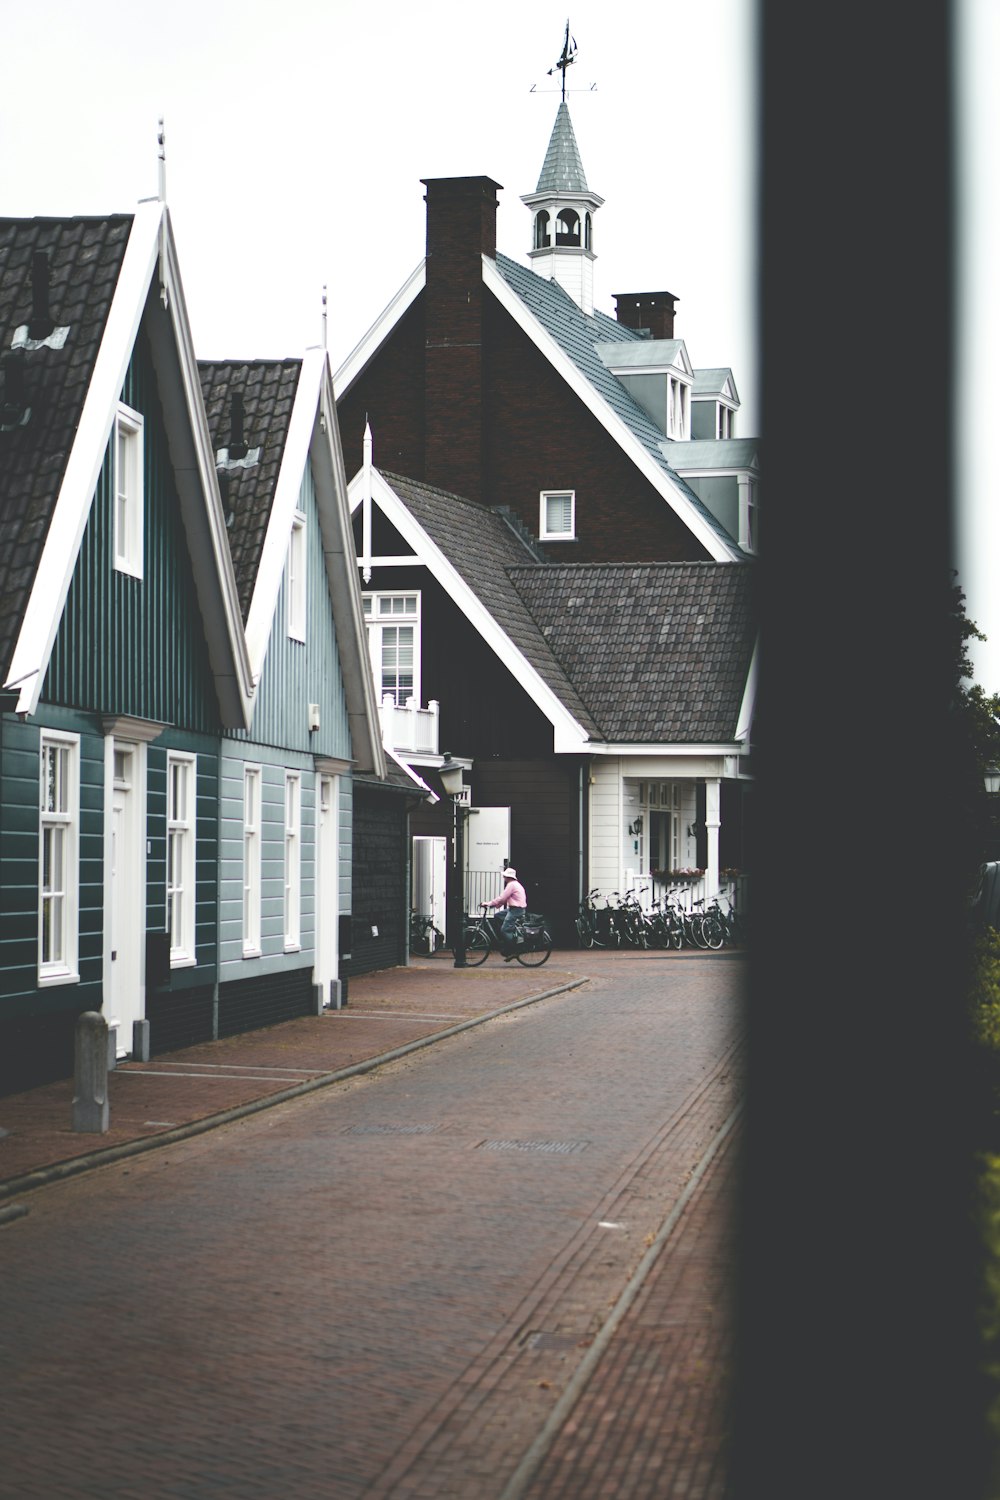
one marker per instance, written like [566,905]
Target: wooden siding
[273,764]
[297,673]
[19,822]
[544,801]
[381,881]
[135,645]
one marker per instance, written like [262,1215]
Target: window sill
[253,953]
[182,961]
[57,976]
[557,536]
[292,948]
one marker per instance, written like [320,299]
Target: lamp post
[452,779]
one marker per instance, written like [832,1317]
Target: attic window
[724,421]
[296,578]
[558,516]
[678,409]
[568,227]
[542,236]
[128,502]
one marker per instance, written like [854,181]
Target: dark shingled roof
[481,545]
[659,651]
[84,261]
[268,389]
[644,653]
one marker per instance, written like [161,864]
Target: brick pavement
[650,1418]
[178,1091]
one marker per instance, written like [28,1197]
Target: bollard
[140,1041]
[338,994]
[318,996]
[90,1074]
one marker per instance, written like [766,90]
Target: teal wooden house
[287,780]
[123,659]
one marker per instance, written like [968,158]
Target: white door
[126,988]
[429,879]
[327,885]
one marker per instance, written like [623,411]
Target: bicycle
[482,937]
[424,936]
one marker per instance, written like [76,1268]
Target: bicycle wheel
[536,956]
[477,946]
[712,932]
[585,933]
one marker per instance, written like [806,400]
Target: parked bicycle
[424,936]
[533,942]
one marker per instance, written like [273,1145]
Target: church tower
[562,209]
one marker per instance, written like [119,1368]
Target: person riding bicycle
[514,899]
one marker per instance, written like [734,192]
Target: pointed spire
[562,170]
[161,143]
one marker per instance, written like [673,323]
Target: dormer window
[128,491]
[542,234]
[724,423]
[568,227]
[557,522]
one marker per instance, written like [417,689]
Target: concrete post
[140,1041]
[90,1074]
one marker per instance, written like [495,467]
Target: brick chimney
[652,311]
[461,229]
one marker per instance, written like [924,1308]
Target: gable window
[251,861]
[296,578]
[58,858]
[558,516]
[180,858]
[128,491]
[293,857]
[393,622]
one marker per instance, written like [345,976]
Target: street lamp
[452,779]
[991,777]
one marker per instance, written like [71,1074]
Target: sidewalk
[177,1094]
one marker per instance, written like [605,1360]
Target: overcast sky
[297,134]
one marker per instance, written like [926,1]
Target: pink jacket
[511,895]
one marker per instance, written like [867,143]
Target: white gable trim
[744,720]
[69,518]
[379,332]
[569,736]
[283,507]
[150,239]
[613,424]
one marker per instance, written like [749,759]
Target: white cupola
[562,210]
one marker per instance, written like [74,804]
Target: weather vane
[566,58]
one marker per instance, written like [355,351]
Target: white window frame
[293,861]
[545,533]
[182,828]
[59,827]
[127,467]
[376,623]
[678,408]
[296,578]
[252,788]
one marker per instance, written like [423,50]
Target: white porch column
[712,825]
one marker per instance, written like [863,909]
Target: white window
[678,409]
[296,578]
[181,785]
[724,421]
[58,858]
[558,516]
[393,622]
[251,861]
[293,857]
[128,491]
